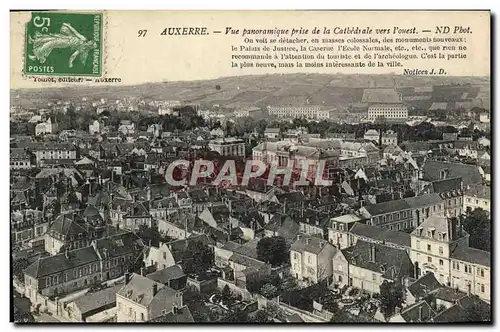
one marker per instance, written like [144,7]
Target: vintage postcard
[278,167]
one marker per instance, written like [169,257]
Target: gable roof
[383,235]
[424,285]
[310,244]
[96,300]
[387,207]
[471,255]
[50,265]
[139,289]
[469,173]
[165,275]
[391,262]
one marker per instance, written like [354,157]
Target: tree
[478,224]
[18,267]
[269,291]
[226,295]
[392,296]
[272,250]
[196,304]
[23,317]
[197,258]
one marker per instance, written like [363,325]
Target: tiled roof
[424,200]
[140,290]
[479,191]
[96,300]
[57,263]
[424,285]
[165,275]
[183,315]
[469,173]
[381,234]
[391,262]
[472,255]
[387,207]
[310,244]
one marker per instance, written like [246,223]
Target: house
[272,133]
[389,138]
[55,151]
[126,127]
[68,231]
[159,258]
[439,245]
[465,148]
[352,232]
[451,191]
[62,273]
[21,159]
[395,215]
[172,276]
[477,196]
[372,135]
[366,265]
[142,299]
[461,310]
[91,304]
[177,315]
[247,268]
[311,259]
[421,288]
[96,127]
[416,313]
[440,170]
[47,127]
[26,225]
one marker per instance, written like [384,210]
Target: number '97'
[142,33]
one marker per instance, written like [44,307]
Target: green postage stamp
[61,43]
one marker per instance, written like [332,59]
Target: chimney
[155,289]
[372,252]
[127,277]
[148,193]
[142,271]
[66,253]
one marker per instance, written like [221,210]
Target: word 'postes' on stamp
[60,43]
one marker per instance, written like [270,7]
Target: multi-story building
[73,270]
[307,112]
[477,196]
[230,146]
[389,138]
[52,151]
[142,299]
[248,112]
[282,152]
[21,159]
[440,246]
[27,225]
[367,265]
[311,259]
[46,127]
[389,112]
[450,191]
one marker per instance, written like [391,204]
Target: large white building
[308,112]
[229,146]
[440,246]
[46,127]
[391,112]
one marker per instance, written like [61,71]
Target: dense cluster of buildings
[84,206]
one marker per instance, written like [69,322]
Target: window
[440,250]
[130,311]
[142,316]
[429,259]
[334,225]
[482,272]
[418,244]
[429,248]
[482,288]
[309,260]
[341,227]
[374,277]
[48,281]
[295,255]
[163,311]
[441,262]
[466,269]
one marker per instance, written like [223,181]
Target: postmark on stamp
[61,43]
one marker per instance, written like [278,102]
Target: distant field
[261,90]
